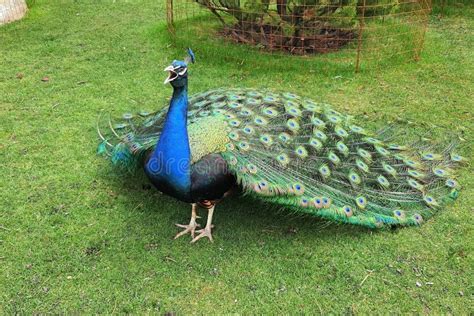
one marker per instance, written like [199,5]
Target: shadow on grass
[235,216]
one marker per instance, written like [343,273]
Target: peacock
[280,148]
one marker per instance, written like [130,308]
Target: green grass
[385,39]
[77,237]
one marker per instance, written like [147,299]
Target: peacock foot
[206,232]
[190,228]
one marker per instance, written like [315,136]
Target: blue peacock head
[178,70]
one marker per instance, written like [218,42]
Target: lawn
[77,237]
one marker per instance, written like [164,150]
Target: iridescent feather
[303,155]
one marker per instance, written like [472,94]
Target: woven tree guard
[342,31]
[12,10]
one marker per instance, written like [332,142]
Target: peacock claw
[206,232]
[190,228]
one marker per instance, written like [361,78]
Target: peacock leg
[207,230]
[192,223]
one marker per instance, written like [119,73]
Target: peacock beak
[172,75]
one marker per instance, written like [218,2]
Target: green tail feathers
[127,141]
[303,155]
[124,158]
[102,148]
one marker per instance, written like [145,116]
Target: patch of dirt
[314,38]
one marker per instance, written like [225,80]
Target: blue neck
[169,165]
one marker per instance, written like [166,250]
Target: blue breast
[169,165]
